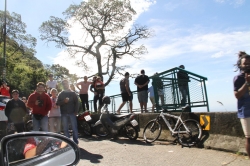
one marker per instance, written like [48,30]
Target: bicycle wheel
[152,131]
[192,138]
[131,132]
[101,130]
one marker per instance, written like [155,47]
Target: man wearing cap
[15,110]
[183,80]
[141,82]
[51,84]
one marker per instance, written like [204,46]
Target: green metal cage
[167,90]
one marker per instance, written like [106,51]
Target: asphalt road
[123,152]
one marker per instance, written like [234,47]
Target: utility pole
[4,44]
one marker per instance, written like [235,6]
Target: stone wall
[225,130]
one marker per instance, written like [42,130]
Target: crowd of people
[51,110]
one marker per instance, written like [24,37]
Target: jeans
[95,101]
[184,93]
[98,97]
[85,100]
[43,123]
[55,124]
[73,122]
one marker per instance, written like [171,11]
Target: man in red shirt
[40,103]
[4,89]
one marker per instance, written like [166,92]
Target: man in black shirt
[183,80]
[126,93]
[141,82]
[15,110]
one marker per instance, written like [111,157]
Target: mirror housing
[49,148]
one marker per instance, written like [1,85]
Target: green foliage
[23,69]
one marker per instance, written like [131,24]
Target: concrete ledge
[225,130]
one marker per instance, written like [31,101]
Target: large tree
[16,37]
[106,37]
[15,32]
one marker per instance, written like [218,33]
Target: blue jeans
[43,123]
[65,122]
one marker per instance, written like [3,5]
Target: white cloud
[235,3]
[78,37]
[169,41]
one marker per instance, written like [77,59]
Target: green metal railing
[171,98]
[116,100]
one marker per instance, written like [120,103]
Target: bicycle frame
[179,121]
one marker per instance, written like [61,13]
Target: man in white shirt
[51,84]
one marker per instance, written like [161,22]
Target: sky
[205,36]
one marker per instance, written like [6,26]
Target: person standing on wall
[183,80]
[15,111]
[242,94]
[141,82]
[152,97]
[100,88]
[158,84]
[126,93]
[84,92]
[40,104]
[51,84]
[92,89]
[69,106]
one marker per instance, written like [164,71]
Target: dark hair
[40,83]
[142,71]
[14,90]
[241,55]
[127,73]
[182,66]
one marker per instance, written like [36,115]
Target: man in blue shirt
[242,93]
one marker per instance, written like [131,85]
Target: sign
[205,122]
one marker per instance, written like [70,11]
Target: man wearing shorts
[142,90]
[126,93]
[242,93]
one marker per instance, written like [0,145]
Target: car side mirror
[38,148]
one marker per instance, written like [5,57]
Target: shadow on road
[119,140]
[93,158]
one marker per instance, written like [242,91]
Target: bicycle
[189,132]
